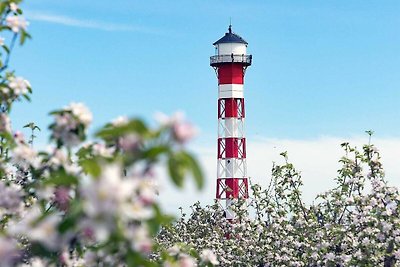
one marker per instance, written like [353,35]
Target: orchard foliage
[81,203]
[354,224]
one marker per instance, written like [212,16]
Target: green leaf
[110,132]
[27,97]
[74,213]
[7,137]
[61,178]
[66,224]
[3,6]
[153,152]
[158,220]
[181,164]
[194,168]
[369,132]
[91,167]
[136,259]
[23,36]
[176,171]
[6,49]
[32,126]
[41,251]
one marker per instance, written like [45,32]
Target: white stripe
[230,91]
[232,168]
[231,48]
[231,127]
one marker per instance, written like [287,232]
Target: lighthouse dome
[231,43]
[230,37]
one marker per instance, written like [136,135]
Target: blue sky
[321,68]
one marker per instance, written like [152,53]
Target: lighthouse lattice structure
[230,63]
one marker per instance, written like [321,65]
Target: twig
[9,52]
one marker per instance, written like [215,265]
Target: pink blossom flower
[62,197]
[129,142]
[183,131]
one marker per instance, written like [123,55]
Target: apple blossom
[9,252]
[19,85]
[208,255]
[25,156]
[5,123]
[13,7]
[17,23]
[82,113]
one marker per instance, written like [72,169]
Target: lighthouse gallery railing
[245,59]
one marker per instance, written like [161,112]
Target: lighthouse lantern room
[230,63]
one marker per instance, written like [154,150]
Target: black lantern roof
[230,37]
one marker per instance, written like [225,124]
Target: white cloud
[317,160]
[84,23]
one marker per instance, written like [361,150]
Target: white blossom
[386,227]
[10,197]
[19,85]
[16,23]
[140,239]
[9,252]
[35,228]
[208,256]
[81,112]
[174,250]
[391,207]
[120,121]
[397,254]
[184,131]
[68,124]
[100,149]
[13,7]
[102,199]
[25,156]
[181,129]
[5,123]
[330,256]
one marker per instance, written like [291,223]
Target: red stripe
[231,147]
[231,108]
[232,188]
[230,74]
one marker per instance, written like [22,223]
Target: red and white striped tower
[230,64]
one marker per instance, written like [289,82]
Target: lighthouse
[230,63]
